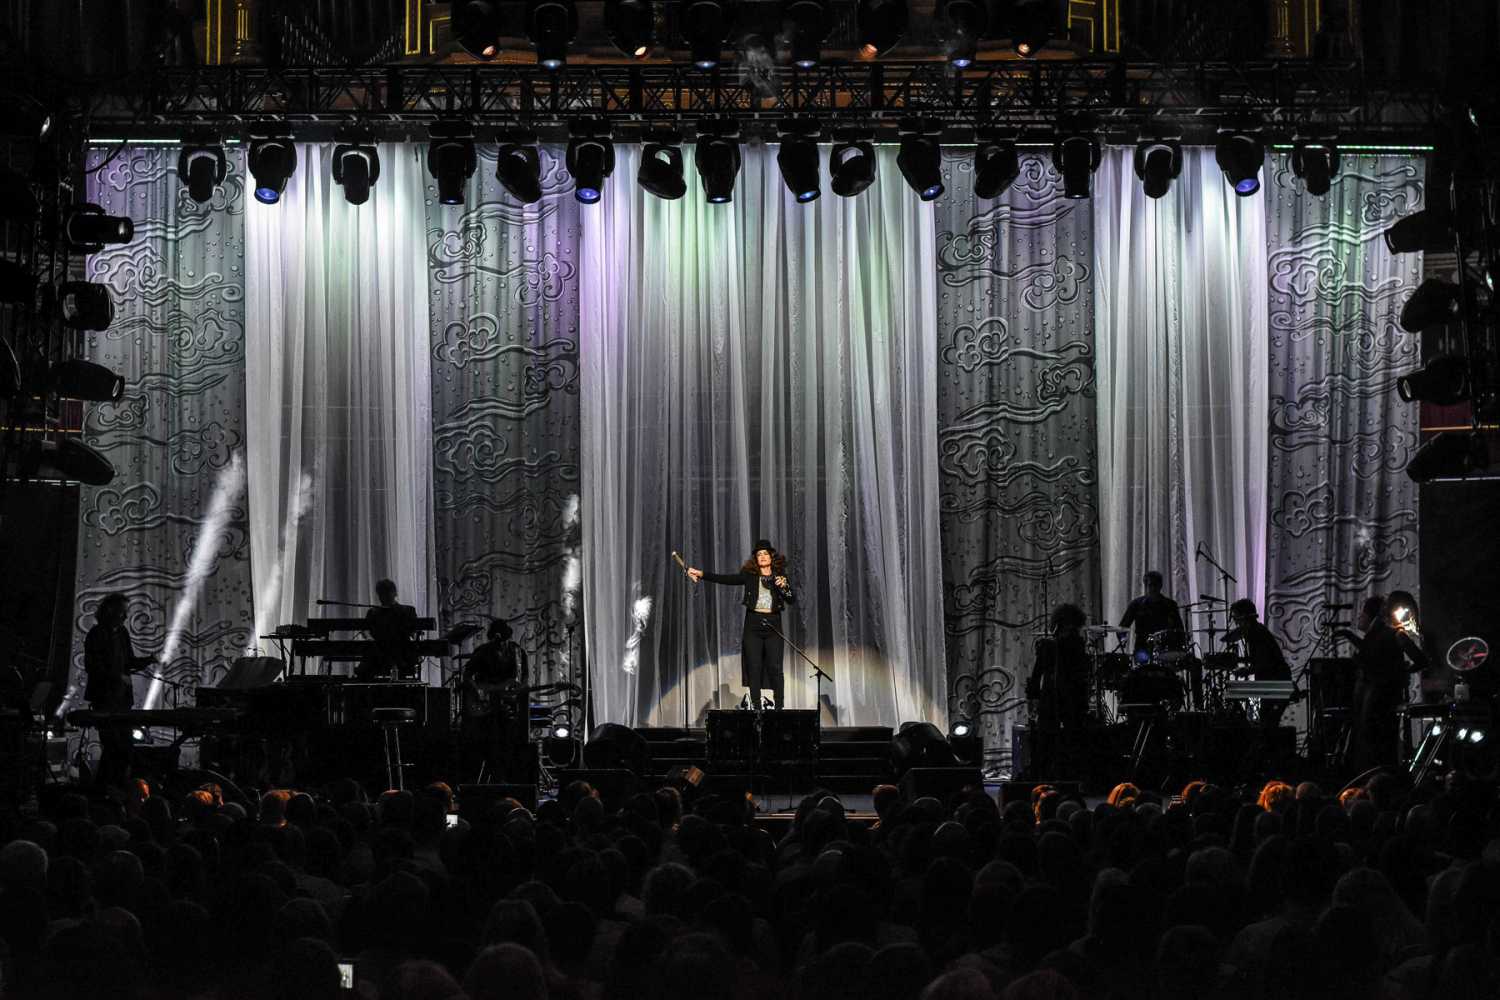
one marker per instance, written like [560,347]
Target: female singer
[763,576]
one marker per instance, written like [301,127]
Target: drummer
[1153,612]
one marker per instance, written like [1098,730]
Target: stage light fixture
[1434,303]
[1032,24]
[718,165]
[921,163]
[960,729]
[1476,736]
[631,26]
[88,229]
[1421,231]
[1463,732]
[1449,455]
[706,25]
[85,380]
[881,25]
[71,460]
[590,160]
[562,731]
[1076,157]
[202,168]
[1445,381]
[1316,161]
[808,24]
[997,164]
[477,27]
[961,24]
[851,167]
[518,168]
[1240,153]
[85,305]
[1158,162]
[23,117]
[356,168]
[798,160]
[452,161]
[551,25]
[272,163]
[661,171]
[17,285]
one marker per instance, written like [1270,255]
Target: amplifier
[789,736]
[731,739]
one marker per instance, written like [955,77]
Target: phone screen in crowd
[453,819]
[346,975]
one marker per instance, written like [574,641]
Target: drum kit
[1170,673]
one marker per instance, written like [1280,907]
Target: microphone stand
[817,673]
[1225,579]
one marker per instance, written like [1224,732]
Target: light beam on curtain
[761,368]
[1182,363]
[340,390]
[1343,517]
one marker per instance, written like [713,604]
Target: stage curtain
[340,397]
[1016,428]
[504,350]
[760,369]
[1343,514]
[178,434]
[1182,368]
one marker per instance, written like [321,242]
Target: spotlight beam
[228,489]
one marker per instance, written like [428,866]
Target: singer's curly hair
[778,564]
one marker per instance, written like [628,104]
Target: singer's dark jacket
[750,580]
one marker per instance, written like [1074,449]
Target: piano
[195,720]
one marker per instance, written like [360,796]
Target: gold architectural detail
[1103,19]
[415,26]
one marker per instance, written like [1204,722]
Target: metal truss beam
[1006,93]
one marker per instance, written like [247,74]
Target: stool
[390,721]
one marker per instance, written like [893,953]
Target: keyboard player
[390,626]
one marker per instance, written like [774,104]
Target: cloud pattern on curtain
[1343,514]
[179,339]
[505,408]
[1016,427]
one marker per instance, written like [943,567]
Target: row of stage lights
[707,26]
[590,160]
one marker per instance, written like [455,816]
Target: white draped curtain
[760,369]
[338,379]
[1181,345]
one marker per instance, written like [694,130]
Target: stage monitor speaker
[941,783]
[968,749]
[920,744]
[616,747]
[731,739]
[614,785]
[1020,791]
[789,736]
[476,801]
[1020,751]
